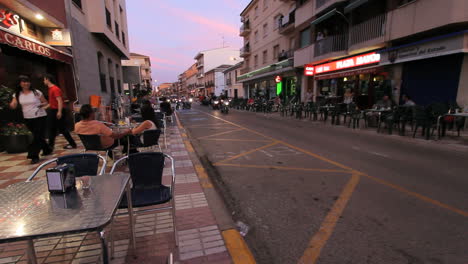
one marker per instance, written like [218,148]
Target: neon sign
[8,19]
[278,79]
[309,70]
[352,62]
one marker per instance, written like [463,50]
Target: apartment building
[268,50]
[137,73]
[384,47]
[208,60]
[100,43]
[191,79]
[35,40]
[234,88]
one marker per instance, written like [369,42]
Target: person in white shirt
[33,105]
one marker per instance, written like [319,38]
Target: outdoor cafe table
[29,211]
[464,115]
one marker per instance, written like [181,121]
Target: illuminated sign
[309,70]
[352,62]
[278,79]
[8,19]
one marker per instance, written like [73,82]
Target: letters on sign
[8,19]
[309,70]
[352,62]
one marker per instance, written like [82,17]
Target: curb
[235,243]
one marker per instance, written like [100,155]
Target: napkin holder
[61,178]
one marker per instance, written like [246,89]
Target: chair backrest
[91,142]
[146,169]
[86,164]
[420,113]
[151,137]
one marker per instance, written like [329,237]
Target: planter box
[16,144]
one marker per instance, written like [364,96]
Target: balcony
[199,65]
[372,29]
[304,56]
[321,5]
[200,75]
[285,55]
[244,70]
[245,29]
[245,51]
[331,44]
[287,23]
[228,81]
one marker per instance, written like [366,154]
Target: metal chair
[151,139]
[146,171]
[86,164]
[93,143]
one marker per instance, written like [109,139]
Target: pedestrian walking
[33,106]
[56,120]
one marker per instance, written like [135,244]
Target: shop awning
[33,46]
[354,5]
[322,18]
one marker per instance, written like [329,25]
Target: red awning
[33,46]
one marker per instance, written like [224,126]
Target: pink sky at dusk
[172,32]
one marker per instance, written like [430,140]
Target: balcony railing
[244,70]
[245,29]
[331,44]
[285,55]
[228,81]
[368,30]
[245,51]
[287,23]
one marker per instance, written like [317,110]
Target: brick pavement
[200,239]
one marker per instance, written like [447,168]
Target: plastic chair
[146,171]
[86,164]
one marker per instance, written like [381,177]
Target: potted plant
[5,99]
[16,137]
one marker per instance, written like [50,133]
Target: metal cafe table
[28,211]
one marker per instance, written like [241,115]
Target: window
[123,39]
[305,37]
[102,75]
[256,11]
[256,36]
[265,56]
[117,31]
[277,21]
[108,19]
[265,30]
[256,61]
[276,52]
[265,4]
[77,3]
[119,83]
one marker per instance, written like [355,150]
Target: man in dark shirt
[166,107]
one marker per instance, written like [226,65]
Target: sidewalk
[200,240]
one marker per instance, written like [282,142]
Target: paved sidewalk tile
[200,240]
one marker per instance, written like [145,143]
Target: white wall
[220,83]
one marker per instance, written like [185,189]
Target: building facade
[233,87]
[376,48]
[100,43]
[191,79]
[210,59]
[137,72]
[35,40]
[268,49]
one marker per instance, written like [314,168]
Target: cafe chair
[150,140]
[146,172]
[93,143]
[86,164]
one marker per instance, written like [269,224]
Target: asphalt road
[315,193]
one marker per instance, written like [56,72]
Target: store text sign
[8,19]
[24,44]
[352,62]
[309,70]
[278,79]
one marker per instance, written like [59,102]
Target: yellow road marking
[417,195]
[319,240]
[237,247]
[203,176]
[240,140]
[247,152]
[277,167]
[221,133]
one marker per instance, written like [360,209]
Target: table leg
[31,253]
[130,215]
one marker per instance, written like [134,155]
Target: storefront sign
[351,62]
[8,19]
[57,37]
[428,49]
[34,47]
[309,70]
[350,73]
[278,79]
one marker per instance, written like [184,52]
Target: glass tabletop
[28,210]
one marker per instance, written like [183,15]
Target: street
[315,193]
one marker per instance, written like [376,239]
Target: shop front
[283,85]
[360,75]
[23,54]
